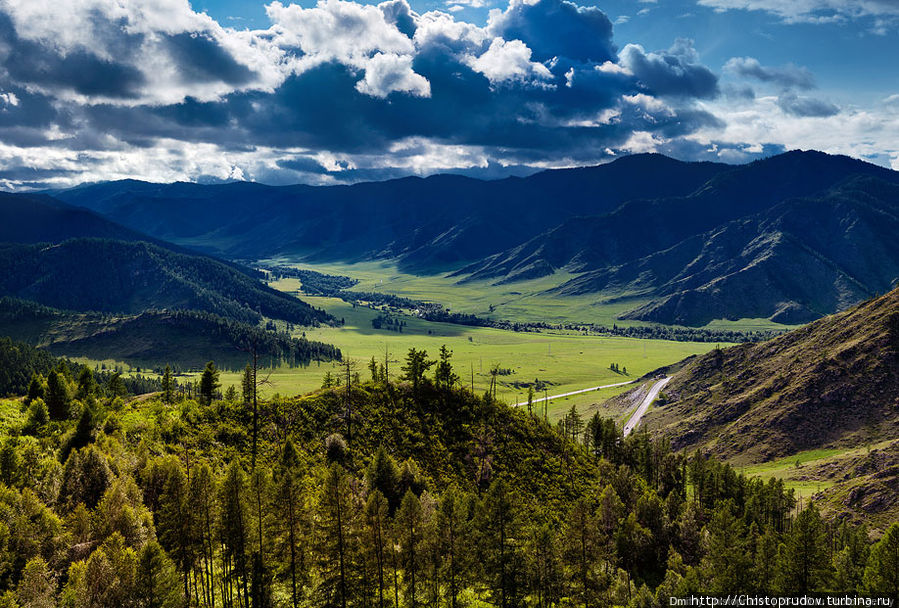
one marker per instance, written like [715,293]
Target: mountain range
[789,238]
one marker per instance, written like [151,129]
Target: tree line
[397,490]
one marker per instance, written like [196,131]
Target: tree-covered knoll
[184,338]
[380,492]
[131,277]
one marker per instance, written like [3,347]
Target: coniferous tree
[36,388]
[409,534]
[37,589]
[498,524]
[168,385]
[803,558]
[727,562]
[454,528]
[234,533]
[444,376]
[882,573]
[209,382]
[377,519]
[157,582]
[336,544]
[417,364]
[288,501]
[57,395]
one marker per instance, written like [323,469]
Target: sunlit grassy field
[521,301]
[564,361]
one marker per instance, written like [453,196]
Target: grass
[566,361]
[521,301]
[803,471]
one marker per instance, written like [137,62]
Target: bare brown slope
[833,382]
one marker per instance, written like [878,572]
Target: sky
[339,91]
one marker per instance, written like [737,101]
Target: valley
[706,355]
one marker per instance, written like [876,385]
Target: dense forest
[20,363]
[181,337]
[395,491]
[106,275]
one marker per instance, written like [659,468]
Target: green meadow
[563,361]
[523,301]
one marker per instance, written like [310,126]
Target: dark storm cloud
[675,72]
[541,81]
[202,59]
[558,29]
[28,62]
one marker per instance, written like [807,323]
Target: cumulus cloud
[104,89]
[385,74]
[787,76]
[675,72]
[556,28]
[510,61]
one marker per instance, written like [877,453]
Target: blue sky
[339,91]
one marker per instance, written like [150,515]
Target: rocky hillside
[832,383]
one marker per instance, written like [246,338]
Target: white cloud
[385,74]
[811,11]
[8,99]
[510,61]
[858,132]
[336,30]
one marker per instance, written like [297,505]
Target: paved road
[650,397]
[583,390]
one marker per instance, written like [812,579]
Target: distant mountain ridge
[693,242]
[435,222]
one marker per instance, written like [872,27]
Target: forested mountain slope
[427,494]
[436,222]
[186,339]
[131,277]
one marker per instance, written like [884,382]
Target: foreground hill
[832,383]
[437,222]
[414,491]
[185,339]
[132,277]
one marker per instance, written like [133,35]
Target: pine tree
[288,501]
[498,525]
[37,589]
[409,533]
[376,519]
[157,582]
[168,385]
[417,364]
[882,573]
[444,376]
[234,531]
[727,562]
[454,525]
[57,395]
[209,382]
[803,559]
